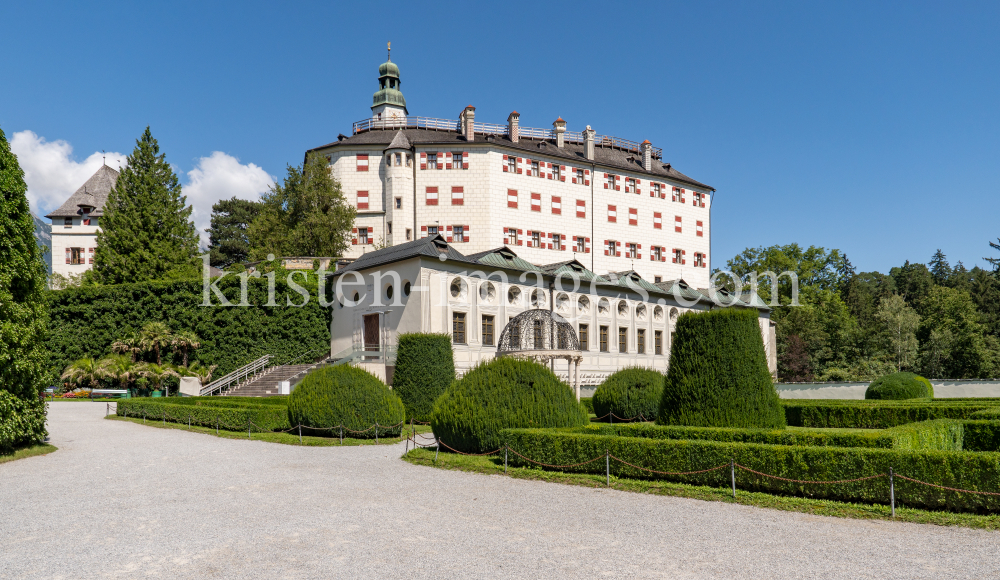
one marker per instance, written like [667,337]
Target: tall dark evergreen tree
[939,267]
[146,231]
[994,261]
[23,314]
[228,241]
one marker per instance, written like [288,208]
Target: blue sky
[869,127]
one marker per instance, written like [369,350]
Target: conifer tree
[146,231]
[23,314]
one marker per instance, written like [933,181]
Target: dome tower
[388,102]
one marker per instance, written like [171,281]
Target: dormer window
[68,222]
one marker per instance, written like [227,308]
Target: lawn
[24,452]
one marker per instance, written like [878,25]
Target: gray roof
[609,157]
[93,193]
[431,246]
[399,141]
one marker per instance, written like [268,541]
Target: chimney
[466,121]
[588,143]
[647,155]
[513,131]
[559,128]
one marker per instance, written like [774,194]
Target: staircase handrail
[236,376]
[308,352]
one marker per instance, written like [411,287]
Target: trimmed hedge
[425,367]
[899,386]
[280,400]
[500,394]
[959,469]
[718,374]
[22,421]
[873,414]
[630,392]
[981,435]
[588,404]
[348,396]
[266,417]
[942,435]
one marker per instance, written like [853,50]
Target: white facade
[76,222]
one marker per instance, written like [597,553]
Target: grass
[283,438]
[819,507]
[30,451]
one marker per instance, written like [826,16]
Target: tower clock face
[395,115]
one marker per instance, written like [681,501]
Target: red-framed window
[612,214]
[457,195]
[362,163]
[512,198]
[432,195]
[536,202]
[362,200]
[677,224]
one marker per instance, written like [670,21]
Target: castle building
[551,194]
[75,224]
[479,224]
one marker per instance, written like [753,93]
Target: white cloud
[50,171]
[221,176]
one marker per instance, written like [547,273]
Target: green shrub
[940,434]
[348,396]
[588,404]
[425,367]
[500,394]
[981,435]
[899,386]
[958,469]
[22,421]
[718,374]
[630,393]
[280,400]
[227,416]
[873,414]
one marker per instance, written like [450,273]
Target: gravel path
[120,500]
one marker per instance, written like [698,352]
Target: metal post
[607,465]
[216,425]
[611,417]
[143,416]
[505,461]
[732,475]
[407,450]
[376,433]
[189,422]
[892,492]
[107,410]
[300,433]
[341,434]
[248,429]
[438,450]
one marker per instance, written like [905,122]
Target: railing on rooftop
[413,122]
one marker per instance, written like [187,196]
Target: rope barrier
[472,454]
[946,487]
[601,456]
[724,465]
[876,476]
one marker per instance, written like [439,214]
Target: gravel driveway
[120,500]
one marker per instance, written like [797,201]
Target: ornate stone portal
[543,336]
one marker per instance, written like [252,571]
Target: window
[612,248]
[68,222]
[678,256]
[657,191]
[409,233]
[432,230]
[458,327]
[658,342]
[657,255]
[409,160]
[581,244]
[512,198]
[362,200]
[362,163]
[432,161]
[622,339]
[699,260]
[657,279]
[457,195]
[699,199]
[633,216]
[584,336]
[512,164]
[456,160]
[629,185]
[487,330]
[699,230]
[432,196]
[677,224]
[363,236]
[388,227]
[556,205]
[640,340]
[534,169]
[511,236]
[579,177]
[399,203]
[657,220]
[399,160]
[611,181]
[76,255]
[556,242]
[555,173]
[458,233]
[678,194]
[631,251]
[85,219]
[536,239]
[604,339]
[612,214]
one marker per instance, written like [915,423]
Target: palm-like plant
[154,336]
[130,345]
[84,370]
[202,372]
[156,373]
[120,367]
[185,340]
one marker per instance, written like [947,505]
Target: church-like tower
[388,101]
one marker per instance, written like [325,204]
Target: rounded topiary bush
[898,386]
[345,395]
[718,375]
[425,367]
[631,393]
[503,393]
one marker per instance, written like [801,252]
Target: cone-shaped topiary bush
[631,393]
[718,374]
[899,386]
[345,395]
[425,367]
[504,393]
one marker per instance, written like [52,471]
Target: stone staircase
[268,383]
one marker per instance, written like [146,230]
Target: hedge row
[280,401]
[588,403]
[22,421]
[425,367]
[981,435]
[874,414]
[963,470]
[941,435]
[267,417]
